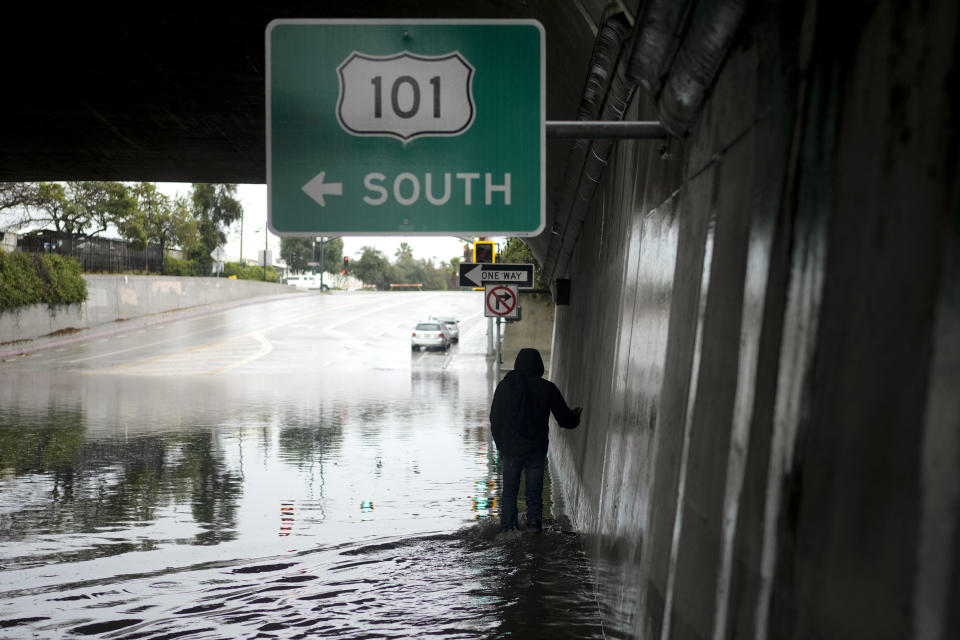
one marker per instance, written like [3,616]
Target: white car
[430,334]
[306,281]
[452,325]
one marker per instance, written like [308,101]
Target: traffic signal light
[346,265]
[484,251]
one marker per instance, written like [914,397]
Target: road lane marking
[183,336]
[265,348]
[256,334]
[377,310]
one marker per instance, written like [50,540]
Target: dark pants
[532,464]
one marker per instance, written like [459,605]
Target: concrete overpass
[764,317]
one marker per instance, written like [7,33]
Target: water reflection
[88,494]
[233,506]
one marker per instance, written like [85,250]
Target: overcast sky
[254,200]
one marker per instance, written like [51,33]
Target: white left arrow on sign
[475,275]
[317,188]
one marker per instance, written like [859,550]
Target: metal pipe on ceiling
[606,55]
[655,41]
[675,52]
[697,62]
[618,99]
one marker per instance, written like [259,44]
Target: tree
[75,208]
[14,195]
[158,219]
[53,208]
[100,204]
[182,226]
[215,207]
[136,228]
[372,267]
[406,269]
[297,252]
[516,251]
[332,254]
[431,277]
[172,223]
[404,252]
[451,272]
[409,271]
[140,226]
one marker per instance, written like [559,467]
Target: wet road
[283,469]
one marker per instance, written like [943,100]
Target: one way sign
[474,274]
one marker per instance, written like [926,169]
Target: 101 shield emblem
[406,95]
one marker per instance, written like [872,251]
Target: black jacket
[522,405]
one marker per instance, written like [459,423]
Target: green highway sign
[402,127]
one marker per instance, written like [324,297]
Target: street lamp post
[321,263]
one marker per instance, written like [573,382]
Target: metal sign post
[322,268]
[490,349]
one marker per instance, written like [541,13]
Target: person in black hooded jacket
[519,415]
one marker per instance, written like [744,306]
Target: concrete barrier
[123,297]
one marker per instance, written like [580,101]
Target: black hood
[529,363]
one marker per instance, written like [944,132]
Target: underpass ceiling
[174,92]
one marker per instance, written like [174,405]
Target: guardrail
[418,285]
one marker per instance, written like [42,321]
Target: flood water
[354,502]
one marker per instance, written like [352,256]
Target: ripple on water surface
[475,583]
[271,506]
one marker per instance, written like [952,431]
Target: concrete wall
[765,333]
[112,298]
[534,331]
[8,241]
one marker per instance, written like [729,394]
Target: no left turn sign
[501,301]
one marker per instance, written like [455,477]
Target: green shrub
[19,283]
[175,267]
[27,279]
[67,285]
[249,272]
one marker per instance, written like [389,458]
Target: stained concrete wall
[534,331]
[112,298]
[764,330]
